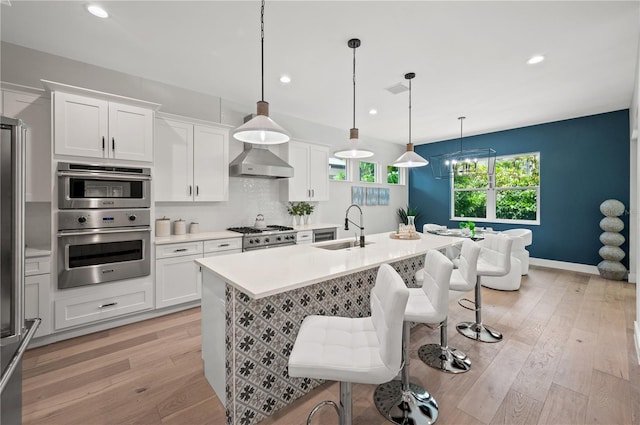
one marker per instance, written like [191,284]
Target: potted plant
[469,225]
[294,211]
[409,211]
[306,209]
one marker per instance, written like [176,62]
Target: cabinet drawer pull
[180,250]
[113,144]
[197,190]
[102,142]
[223,245]
[190,190]
[108,304]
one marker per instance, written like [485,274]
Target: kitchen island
[253,304]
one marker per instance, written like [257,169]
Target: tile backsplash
[248,197]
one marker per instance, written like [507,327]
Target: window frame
[491,196]
[376,172]
[347,169]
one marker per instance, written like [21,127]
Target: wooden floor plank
[487,394]
[517,409]
[548,369]
[563,407]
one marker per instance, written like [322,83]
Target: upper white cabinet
[35,111]
[310,181]
[86,126]
[191,161]
[94,124]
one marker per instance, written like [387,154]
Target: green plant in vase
[469,225]
[409,211]
[305,210]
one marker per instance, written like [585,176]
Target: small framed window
[367,172]
[338,170]
[393,174]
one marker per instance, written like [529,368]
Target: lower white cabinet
[178,278]
[103,303]
[304,237]
[37,287]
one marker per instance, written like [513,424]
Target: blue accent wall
[583,161]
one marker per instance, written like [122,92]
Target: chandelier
[463,161]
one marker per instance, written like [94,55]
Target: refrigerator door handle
[15,360]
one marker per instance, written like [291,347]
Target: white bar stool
[464,278]
[403,402]
[494,260]
[361,350]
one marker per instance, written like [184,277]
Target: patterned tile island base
[259,336]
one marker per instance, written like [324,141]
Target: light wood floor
[567,357]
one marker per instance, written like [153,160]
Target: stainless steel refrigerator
[16,333]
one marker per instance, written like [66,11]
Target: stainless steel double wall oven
[104,224]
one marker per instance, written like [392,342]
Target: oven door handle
[107,176]
[63,233]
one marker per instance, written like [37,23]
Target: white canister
[163,227]
[194,228]
[179,227]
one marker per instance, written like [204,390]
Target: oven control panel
[101,219]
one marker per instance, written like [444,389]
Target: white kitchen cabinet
[98,128]
[35,111]
[310,181]
[102,302]
[304,237]
[193,162]
[178,278]
[37,287]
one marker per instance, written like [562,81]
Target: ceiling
[469,56]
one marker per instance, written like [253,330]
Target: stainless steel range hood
[259,161]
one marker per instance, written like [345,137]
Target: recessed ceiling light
[97,11]
[535,59]
[285,79]
[373,111]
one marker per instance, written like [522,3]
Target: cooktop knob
[132,217]
[278,238]
[250,240]
[82,219]
[266,240]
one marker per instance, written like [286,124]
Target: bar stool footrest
[319,406]
[467,300]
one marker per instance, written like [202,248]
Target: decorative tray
[405,236]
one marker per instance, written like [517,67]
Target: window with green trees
[393,174]
[337,169]
[367,172]
[512,193]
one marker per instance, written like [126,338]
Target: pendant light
[410,159]
[354,148]
[261,129]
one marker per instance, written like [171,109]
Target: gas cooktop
[270,229]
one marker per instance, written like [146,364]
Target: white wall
[247,197]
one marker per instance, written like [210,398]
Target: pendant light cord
[262,47]
[461,121]
[354,87]
[409,110]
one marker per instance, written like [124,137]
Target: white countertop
[315,226]
[30,252]
[192,237]
[267,272]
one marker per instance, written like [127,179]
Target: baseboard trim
[563,265]
[636,334]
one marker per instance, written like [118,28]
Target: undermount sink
[342,245]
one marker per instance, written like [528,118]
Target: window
[512,194]
[367,172]
[337,169]
[393,174]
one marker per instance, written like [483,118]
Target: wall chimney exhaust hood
[259,161]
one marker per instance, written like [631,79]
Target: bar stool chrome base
[414,406]
[479,332]
[446,359]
